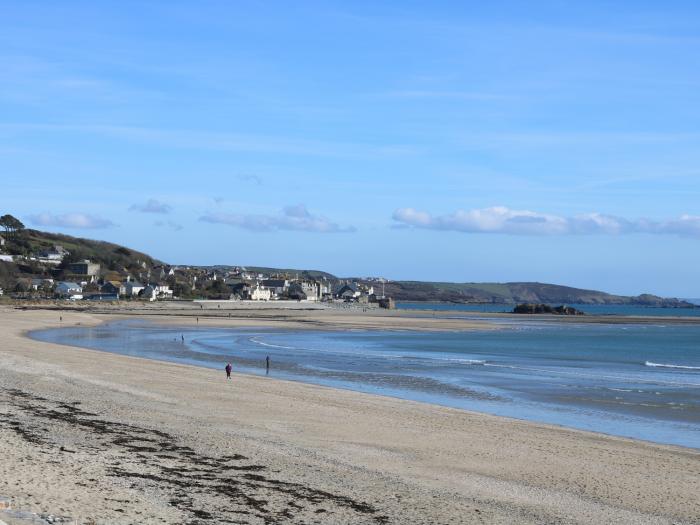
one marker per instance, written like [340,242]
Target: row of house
[87,280]
[299,290]
[112,291]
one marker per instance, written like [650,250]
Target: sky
[447,141]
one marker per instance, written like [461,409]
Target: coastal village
[54,273]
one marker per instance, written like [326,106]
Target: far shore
[112,439]
[311,315]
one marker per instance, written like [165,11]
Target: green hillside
[291,272]
[517,292]
[110,256]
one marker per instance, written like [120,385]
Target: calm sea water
[592,309]
[641,381]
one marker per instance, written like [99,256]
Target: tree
[217,290]
[11,225]
[74,256]
[181,289]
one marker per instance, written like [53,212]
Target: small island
[530,308]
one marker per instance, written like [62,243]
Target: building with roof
[132,288]
[69,290]
[84,268]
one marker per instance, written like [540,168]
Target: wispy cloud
[296,218]
[170,225]
[230,142]
[537,139]
[500,219]
[152,206]
[71,220]
[447,95]
[252,179]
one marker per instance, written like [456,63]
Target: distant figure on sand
[228,370]
[267,365]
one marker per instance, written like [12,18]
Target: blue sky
[414,140]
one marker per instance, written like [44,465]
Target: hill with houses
[35,264]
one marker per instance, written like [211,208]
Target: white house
[312,290]
[68,290]
[163,291]
[54,255]
[149,292]
[39,282]
[276,286]
[132,288]
[260,293]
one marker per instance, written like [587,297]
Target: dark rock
[530,308]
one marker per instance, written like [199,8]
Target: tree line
[12,225]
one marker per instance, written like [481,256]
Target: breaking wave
[663,365]
[257,342]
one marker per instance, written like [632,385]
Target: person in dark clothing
[267,365]
[228,370]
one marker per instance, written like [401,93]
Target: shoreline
[303,315]
[270,327]
[363,449]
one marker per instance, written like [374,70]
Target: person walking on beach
[228,370]
[183,337]
[267,365]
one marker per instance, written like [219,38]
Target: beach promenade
[104,438]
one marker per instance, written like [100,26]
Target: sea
[638,380]
[590,309]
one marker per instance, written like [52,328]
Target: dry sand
[113,439]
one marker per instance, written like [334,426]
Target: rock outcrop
[530,308]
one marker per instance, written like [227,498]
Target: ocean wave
[664,365]
[624,379]
[466,361]
[254,340]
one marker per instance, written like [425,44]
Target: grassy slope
[110,256]
[509,293]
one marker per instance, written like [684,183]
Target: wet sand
[118,439]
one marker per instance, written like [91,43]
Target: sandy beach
[111,439]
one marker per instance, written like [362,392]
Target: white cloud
[71,220]
[500,219]
[686,225]
[152,206]
[296,218]
[169,224]
[252,179]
